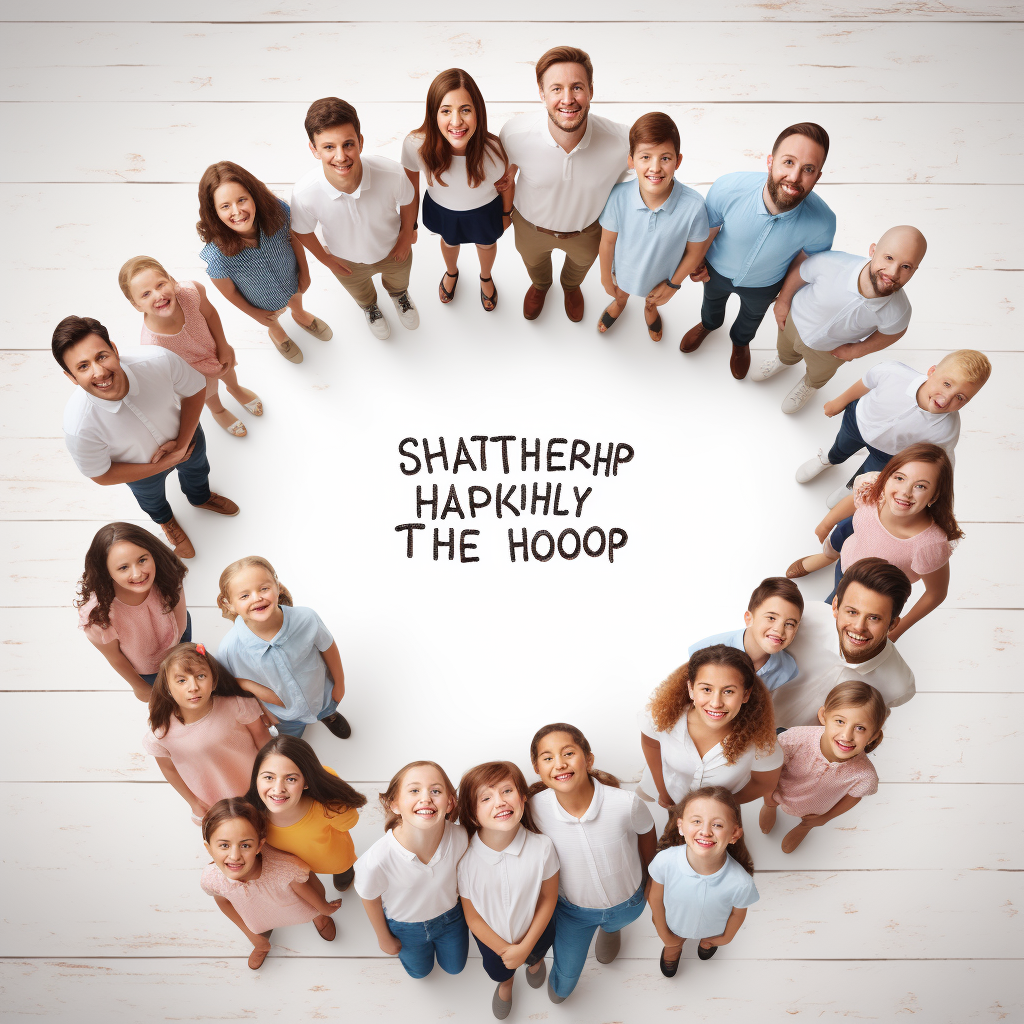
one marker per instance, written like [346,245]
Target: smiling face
[423,799]
[456,118]
[947,389]
[793,170]
[655,163]
[895,259]
[847,732]
[773,624]
[280,784]
[561,763]
[235,207]
[253,593]
[153,293]
[131,568]
[338,149]
[911,489]
[717,694]
[863,621]
[234,847]
[93,365]
[500,807]
[566,95]
[708,826]
[191,686]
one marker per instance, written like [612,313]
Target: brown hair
[941,508]
[390,795]
[650,129]
[491,774]
[229,809]
[754,722]
[564,55]
[880,576]
[269,214]
[581,741]
[70,331]
[169,569]
[435,151]
[329,112]
[236,567]
[974,364]
[671,837]
[810,130]
[855,693]
[776,586]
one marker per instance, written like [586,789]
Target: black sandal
[447,296]
[485,298]
[607,319]
[655,328]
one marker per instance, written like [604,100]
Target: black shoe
[344,880]
[338,724]
[669,969]
[706,954]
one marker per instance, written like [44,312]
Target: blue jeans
[193,479]
[185,637]
[849,442]
[754,303]
[575,927]
[445,936]
[297,728]
[841,532]
[495,966]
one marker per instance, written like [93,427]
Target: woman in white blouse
[710,724]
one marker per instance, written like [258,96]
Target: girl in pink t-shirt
[205,729]
[258,887]
[131,604]
[178,316]
[827,771]
[903,514]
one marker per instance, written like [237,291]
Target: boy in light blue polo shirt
[654,228]
[770,624]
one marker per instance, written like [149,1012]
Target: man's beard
[572,127]
[782,200]
[859,657]
[881,289]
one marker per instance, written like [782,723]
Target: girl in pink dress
[258,887]
[178,316]
[903,514]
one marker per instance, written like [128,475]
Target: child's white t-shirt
[456,193]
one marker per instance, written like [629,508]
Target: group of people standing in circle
[783,709]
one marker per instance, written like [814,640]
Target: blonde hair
[975,364]
[135,266]
[233,570]
[855,693]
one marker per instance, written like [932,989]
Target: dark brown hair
[671,837]
[70,331]
[650,129]
[390,795]
[491,774]
[269,216]
[880,576]
[776,586]
[231,808]
[329,112]
[564,55]
[435,151]
[941,509]
[581,741]
[810,130]
[169,569]
[855,693]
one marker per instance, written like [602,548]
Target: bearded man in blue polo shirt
[761,225]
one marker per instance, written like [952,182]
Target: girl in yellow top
[309,809]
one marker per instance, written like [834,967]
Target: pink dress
[916,556]
[194,342]
[812,784]
[268,901]
[145,632]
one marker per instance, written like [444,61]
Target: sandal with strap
[255,403]
[655,328]
[485,298]
[236,428]
[606,319]
[445,295]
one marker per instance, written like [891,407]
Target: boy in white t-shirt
[366,209]
[835,306]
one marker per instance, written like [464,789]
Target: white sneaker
[837,495]
[798,396]
[768,368]
[379,327]
[812,467]
[407,312]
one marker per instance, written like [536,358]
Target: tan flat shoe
[256,958]
[219,504]
[317,328]
[329,929]
[233,426]
[796,570]
[288,349]
[255,404]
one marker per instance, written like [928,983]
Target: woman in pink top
[178,316]
[131,604]
[903,514]
[205,729]
[827,771]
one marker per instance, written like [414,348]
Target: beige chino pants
[820,366]
[536,247]
[359,284]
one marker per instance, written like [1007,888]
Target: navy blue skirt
[481,226]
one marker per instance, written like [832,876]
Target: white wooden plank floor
[909,905]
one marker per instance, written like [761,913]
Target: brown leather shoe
[178,539]
[574,304]
[533,303]
[739,361]
[796,570]
[219,504]
[692,338]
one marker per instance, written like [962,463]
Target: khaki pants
[535,247]
[820,366]
[359,284]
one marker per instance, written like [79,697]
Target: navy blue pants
[841,532]
[495,966]
[193,478]
[848,442]
[754,303]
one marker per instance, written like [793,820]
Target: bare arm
[732,926]
[329,260]
[259,732]
[761,784]
[936,586]
[835,515]
[128,472]
[701,273]
[482,930]
[333,660]
[646,844]
[229,911]
[851,394]
[227,288]
[841,807]
[300,259]
[515,955]
[225,353]
[414,178]
[606,253]
[406,232]
[314,896]
[375,912]
[791,284]
[656,901]
[119,662]
[652,755]
[261,692]
[170,773]
[872,343]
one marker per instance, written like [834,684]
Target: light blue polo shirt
[755,248]
[650,243]
[779,669]
[290,664]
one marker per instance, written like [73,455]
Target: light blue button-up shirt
[291,664]
[755,247]
[779,669]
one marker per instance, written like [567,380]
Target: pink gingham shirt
[812,784]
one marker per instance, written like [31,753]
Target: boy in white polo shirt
[835,306]
[366,208]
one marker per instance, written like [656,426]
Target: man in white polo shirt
[133,419]
[836,306]
[568,161]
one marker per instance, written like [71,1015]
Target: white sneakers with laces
[812,467]
[798,396]
[379,327]
[768,368]
[407,312]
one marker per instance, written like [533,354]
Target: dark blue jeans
[754,303]
[495,966]
[193,478]
[841,532]
[150,677]
[849,442]
[445,936]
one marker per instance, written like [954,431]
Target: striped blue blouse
[267,275]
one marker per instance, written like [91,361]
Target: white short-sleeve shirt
[597,853]
[504,886]
[565,191]
[411,890]
[98,432]
[456,192]
[830,311]
[362,226]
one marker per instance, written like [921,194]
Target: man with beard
[762,225]
[848,309]
[568,160]
[848,639]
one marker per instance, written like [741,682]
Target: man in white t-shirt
[134,418]
[568,161]
[836,306]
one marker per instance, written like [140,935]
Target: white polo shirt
[830,311]
[362,226]
[889,418]
[822,666]
[98,432]
[410,889]
[565,191]
[597,854]
[504,887]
